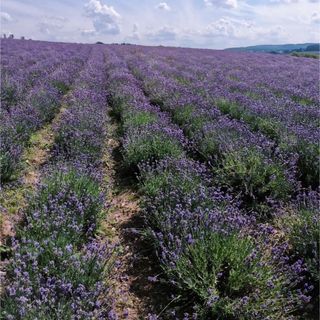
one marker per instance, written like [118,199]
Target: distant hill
[279,48]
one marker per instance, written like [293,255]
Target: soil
[134,295]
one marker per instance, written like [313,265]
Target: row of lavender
[282,84]
[281,101]
[282,104]
[221,262]
[38,107]
[170,95]
[245,162]
[26,64]
[58,268]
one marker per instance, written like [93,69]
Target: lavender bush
[222,261]
[53,272]
[301,224]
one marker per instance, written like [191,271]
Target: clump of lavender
[213,252]
[244,161]
[152,142]
[300,224]
[57,267]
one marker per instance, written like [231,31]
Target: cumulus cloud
[284,1]
[135,31]
[315,18]
[105,19]
[292,1]
[135,34]
[236,29]
[50,24]
[165,33]
[274,33]
[227,27]
[221,3]
[221,27]
[5,17]
[163,6]
[88,32]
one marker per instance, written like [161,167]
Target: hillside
[278,48]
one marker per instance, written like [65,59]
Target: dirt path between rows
[13,197]
[135,296]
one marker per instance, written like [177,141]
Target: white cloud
[105,19]
[284,1]
[236,30]
[135,28]
[5,17]
[163,6]
[165,33]
[51,24]
[292,1]
[228,27]
[135,35]
[221,27]
[88,32]
[221,3]
[276,33]
[135,31]
[315,18]
[220,24]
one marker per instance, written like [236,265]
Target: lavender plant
[223,262]
[53,272]
[300,223]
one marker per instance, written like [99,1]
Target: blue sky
[191,23]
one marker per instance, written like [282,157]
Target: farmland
[158,183]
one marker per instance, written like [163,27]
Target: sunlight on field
[158,183]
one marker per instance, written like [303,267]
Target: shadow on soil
[153,296]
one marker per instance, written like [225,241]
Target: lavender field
[158,183]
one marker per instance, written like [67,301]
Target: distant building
[4,36]
[11,36]
[22,38]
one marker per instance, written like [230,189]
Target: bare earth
[133,294]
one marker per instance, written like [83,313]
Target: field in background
[202,162]
[314,55]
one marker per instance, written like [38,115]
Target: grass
[306,55]
[302,100]
[247,171]
[153,146]
[138,119]
[188,118]
[13,199]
